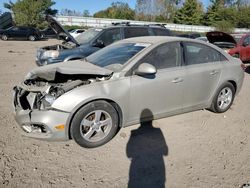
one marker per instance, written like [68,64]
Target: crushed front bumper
[42,124]
[45,124]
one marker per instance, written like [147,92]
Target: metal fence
[99,22]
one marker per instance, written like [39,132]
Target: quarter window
[199,54]
[164,56]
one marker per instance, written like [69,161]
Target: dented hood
[77,67]
[60,31]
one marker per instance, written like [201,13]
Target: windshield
[87,35]
[114,56]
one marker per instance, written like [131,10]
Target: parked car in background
[90,100]
[21,32]
[190,35]
[237,45]
[242,50]
[48,33]
[76,32]
[221,39]
[91,40]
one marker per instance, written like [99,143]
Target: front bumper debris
[36,123]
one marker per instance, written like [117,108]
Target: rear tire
[4,37]
[94,124]
[224,98]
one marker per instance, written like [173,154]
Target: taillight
[243,66]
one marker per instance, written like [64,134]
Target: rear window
[135,32]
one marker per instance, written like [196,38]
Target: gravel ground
[198,149]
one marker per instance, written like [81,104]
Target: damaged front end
[33,99]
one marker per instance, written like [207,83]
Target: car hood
[220,37]
[60,31]
[70,68]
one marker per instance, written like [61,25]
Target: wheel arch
[234,84]
[113,103]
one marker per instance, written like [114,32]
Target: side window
[161,32]
[246,41]
[135,32]
[198,54]
[109,36]
[164,56]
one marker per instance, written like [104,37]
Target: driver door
[161,93]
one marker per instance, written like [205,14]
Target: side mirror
[99,43]
[145,69]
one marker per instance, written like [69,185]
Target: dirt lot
[198,149]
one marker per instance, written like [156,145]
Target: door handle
[214,72]
[177,80]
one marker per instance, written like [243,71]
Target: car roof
[132,26]
[159,39]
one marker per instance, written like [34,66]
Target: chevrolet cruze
[90,100]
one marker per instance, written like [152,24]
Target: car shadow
[146,148]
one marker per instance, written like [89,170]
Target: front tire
[223,98]
[94,124]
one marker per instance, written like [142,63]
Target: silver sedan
[90,100]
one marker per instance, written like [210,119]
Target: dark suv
[22,32]
[91,40]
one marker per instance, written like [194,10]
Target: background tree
[156,10]
[69,12]
[30,12]
[86,13]
[243,17]
[191,13]
[118,10]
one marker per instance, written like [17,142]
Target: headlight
[50,53]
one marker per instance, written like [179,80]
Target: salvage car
[242,50]
[90,100]
[48,33]
[221,39]
[91,40]
[21,32]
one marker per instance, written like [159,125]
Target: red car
[237,45]
[242,50]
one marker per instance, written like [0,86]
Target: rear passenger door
[203,69]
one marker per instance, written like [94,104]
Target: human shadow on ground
[146,149]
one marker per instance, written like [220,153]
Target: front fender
[113,90]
